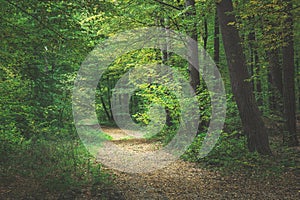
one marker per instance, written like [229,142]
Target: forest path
[184,180]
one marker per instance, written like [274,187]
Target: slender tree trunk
[252,122]
[216,40]
[193,51]
[165,45]
[109,117]
[205,35]
[289,102]
[109,96]
[275,72]
[193,48]
[258,80]
[165,57]
[254,66]
[251,58]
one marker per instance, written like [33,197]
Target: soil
[185,180]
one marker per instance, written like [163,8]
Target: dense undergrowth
[231,155]
[59,167]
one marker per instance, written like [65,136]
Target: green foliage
[232,121]
[231,155]
[57,166]
[42,46]
[42,49]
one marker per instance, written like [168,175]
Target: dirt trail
[184,180]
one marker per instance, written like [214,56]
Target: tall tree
[216,39]
[289,102]
[275,79]
[252,122]
[192,32]
[255,65]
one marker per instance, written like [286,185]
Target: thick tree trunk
[289,102]
[253,125]
[298,83]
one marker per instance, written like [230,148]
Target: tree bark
[216,40]
[254,128]
[193,48]
[275,70]
[205,35]
[109,117]
[255,67]
[289,102]
[275,73]
[258,80]
[165,57]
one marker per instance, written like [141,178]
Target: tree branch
[34,17]
[166,4]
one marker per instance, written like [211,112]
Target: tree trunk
[165,45]
[298,82]
[251,58]
[109,96]
[258,80]
[216,40]
[193,48]
[205,35]
[255,67]
[165,57]
[275,69]
[275,80]
[253,125]
[109,117]
[289,102]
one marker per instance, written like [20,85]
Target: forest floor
[185,180]
[179,180]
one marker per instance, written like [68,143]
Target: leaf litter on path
[185,180]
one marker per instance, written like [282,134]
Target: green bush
[230,155]
[56,166]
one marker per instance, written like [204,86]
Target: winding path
[183,180]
